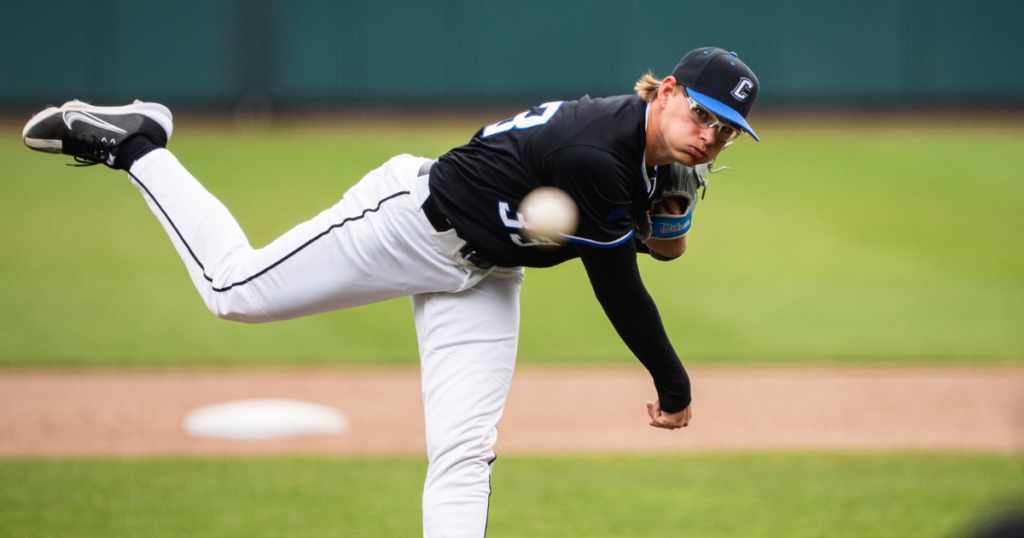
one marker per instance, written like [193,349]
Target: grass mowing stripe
[732,495]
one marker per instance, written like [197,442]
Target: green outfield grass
[862,243]
[735,495]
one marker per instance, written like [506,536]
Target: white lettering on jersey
[524,120]
[518,239]
[517,222]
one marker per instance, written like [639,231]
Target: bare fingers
[668,421]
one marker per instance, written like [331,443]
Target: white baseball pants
[375,244]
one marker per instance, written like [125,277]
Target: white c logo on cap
[740,91]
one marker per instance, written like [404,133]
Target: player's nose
[708,134]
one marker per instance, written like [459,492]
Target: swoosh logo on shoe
[72,117]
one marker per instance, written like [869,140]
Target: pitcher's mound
[265,419]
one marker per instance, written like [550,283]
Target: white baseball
[548,212]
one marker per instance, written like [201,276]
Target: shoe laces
[93,151]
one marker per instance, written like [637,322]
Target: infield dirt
[45,413]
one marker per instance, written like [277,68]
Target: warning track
[57,414]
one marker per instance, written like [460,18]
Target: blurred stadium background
[878,223]
[225,54]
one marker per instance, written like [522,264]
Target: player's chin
[687,159]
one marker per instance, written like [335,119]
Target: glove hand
[665,216]
[668,206]
[668,221]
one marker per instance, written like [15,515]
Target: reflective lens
[705,120]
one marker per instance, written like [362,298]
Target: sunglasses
[706,120]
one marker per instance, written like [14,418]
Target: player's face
[680,138]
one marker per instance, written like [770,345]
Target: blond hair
[647,87]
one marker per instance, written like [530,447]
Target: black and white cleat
[92,134]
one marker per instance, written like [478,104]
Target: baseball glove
[682,184]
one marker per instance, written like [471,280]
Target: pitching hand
[669,421]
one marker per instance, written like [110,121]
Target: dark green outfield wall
[221,53]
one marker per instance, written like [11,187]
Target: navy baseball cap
[720,82]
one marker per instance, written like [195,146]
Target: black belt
[441,223]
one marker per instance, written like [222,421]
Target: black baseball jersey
[593,149]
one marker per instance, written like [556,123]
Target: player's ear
[668,87]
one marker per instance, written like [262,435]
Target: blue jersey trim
[598,244]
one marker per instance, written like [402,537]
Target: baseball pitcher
[449,234]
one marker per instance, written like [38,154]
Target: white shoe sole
[154,111]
